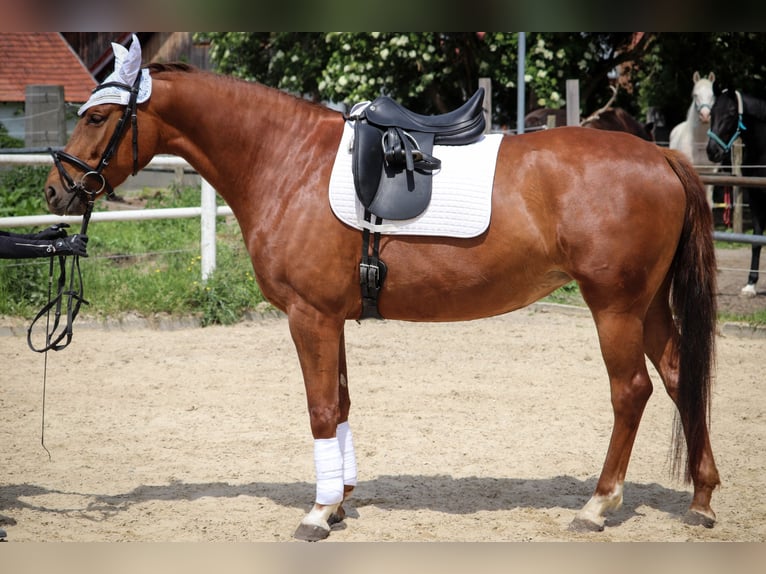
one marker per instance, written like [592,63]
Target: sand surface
[492,430]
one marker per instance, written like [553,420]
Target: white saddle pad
[461,199]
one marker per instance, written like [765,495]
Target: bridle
[740,126]
[79,188]
[68,290]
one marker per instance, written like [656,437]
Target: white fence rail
[207,211]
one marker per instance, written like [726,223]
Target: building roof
[41,58]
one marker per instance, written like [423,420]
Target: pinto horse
[736,115]
[623,218]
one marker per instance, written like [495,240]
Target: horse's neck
[754,108]
[237,135]
[693,120]
[754,134]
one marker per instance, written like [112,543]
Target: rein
[73,294]
[740,127]
[74,299]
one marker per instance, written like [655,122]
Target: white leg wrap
[594,509]
[346,441]
[328,462]
[319,516]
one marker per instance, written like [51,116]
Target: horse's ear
[696,77]
[711,76]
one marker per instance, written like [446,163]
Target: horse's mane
[159,67]
[171,67]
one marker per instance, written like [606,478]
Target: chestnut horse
[623,218]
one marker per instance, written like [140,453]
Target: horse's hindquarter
[571,203]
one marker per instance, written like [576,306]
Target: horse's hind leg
[661,344]
[621,339]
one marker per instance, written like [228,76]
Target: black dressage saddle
[392,159]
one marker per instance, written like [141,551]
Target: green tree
[7,140]
[435,72]
[665,75]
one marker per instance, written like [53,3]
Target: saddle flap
[367,164]
[388,189]
[403,194]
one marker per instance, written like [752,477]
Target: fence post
[736,191]
[573,102]
[207,230]
[521,66]
[486,83]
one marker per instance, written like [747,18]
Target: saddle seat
[458,127]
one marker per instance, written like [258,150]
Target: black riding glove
[53,232]
[71,245]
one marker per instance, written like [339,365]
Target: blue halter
[740,127]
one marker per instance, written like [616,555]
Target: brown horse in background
[611,119]
[625,219]
[605,118]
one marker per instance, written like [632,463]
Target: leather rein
[56,339]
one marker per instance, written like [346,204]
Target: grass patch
[146,267]
[569,294]
[755,319]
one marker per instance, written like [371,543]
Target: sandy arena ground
[493,430]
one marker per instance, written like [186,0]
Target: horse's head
[100,154]
[703,95]
[725,124]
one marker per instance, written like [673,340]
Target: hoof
[697,518]
[748,291]
[311,533]
[3,535]
[584,525]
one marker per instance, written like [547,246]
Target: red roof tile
[41,58]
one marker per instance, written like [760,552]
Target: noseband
[740,127]
[79,188]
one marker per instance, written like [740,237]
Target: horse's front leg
[345,439]
[319,341]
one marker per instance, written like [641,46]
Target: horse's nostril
[50,193]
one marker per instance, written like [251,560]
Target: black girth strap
[372,271]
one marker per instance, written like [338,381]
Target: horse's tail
[693,300]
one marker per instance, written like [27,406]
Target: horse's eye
[95,119]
